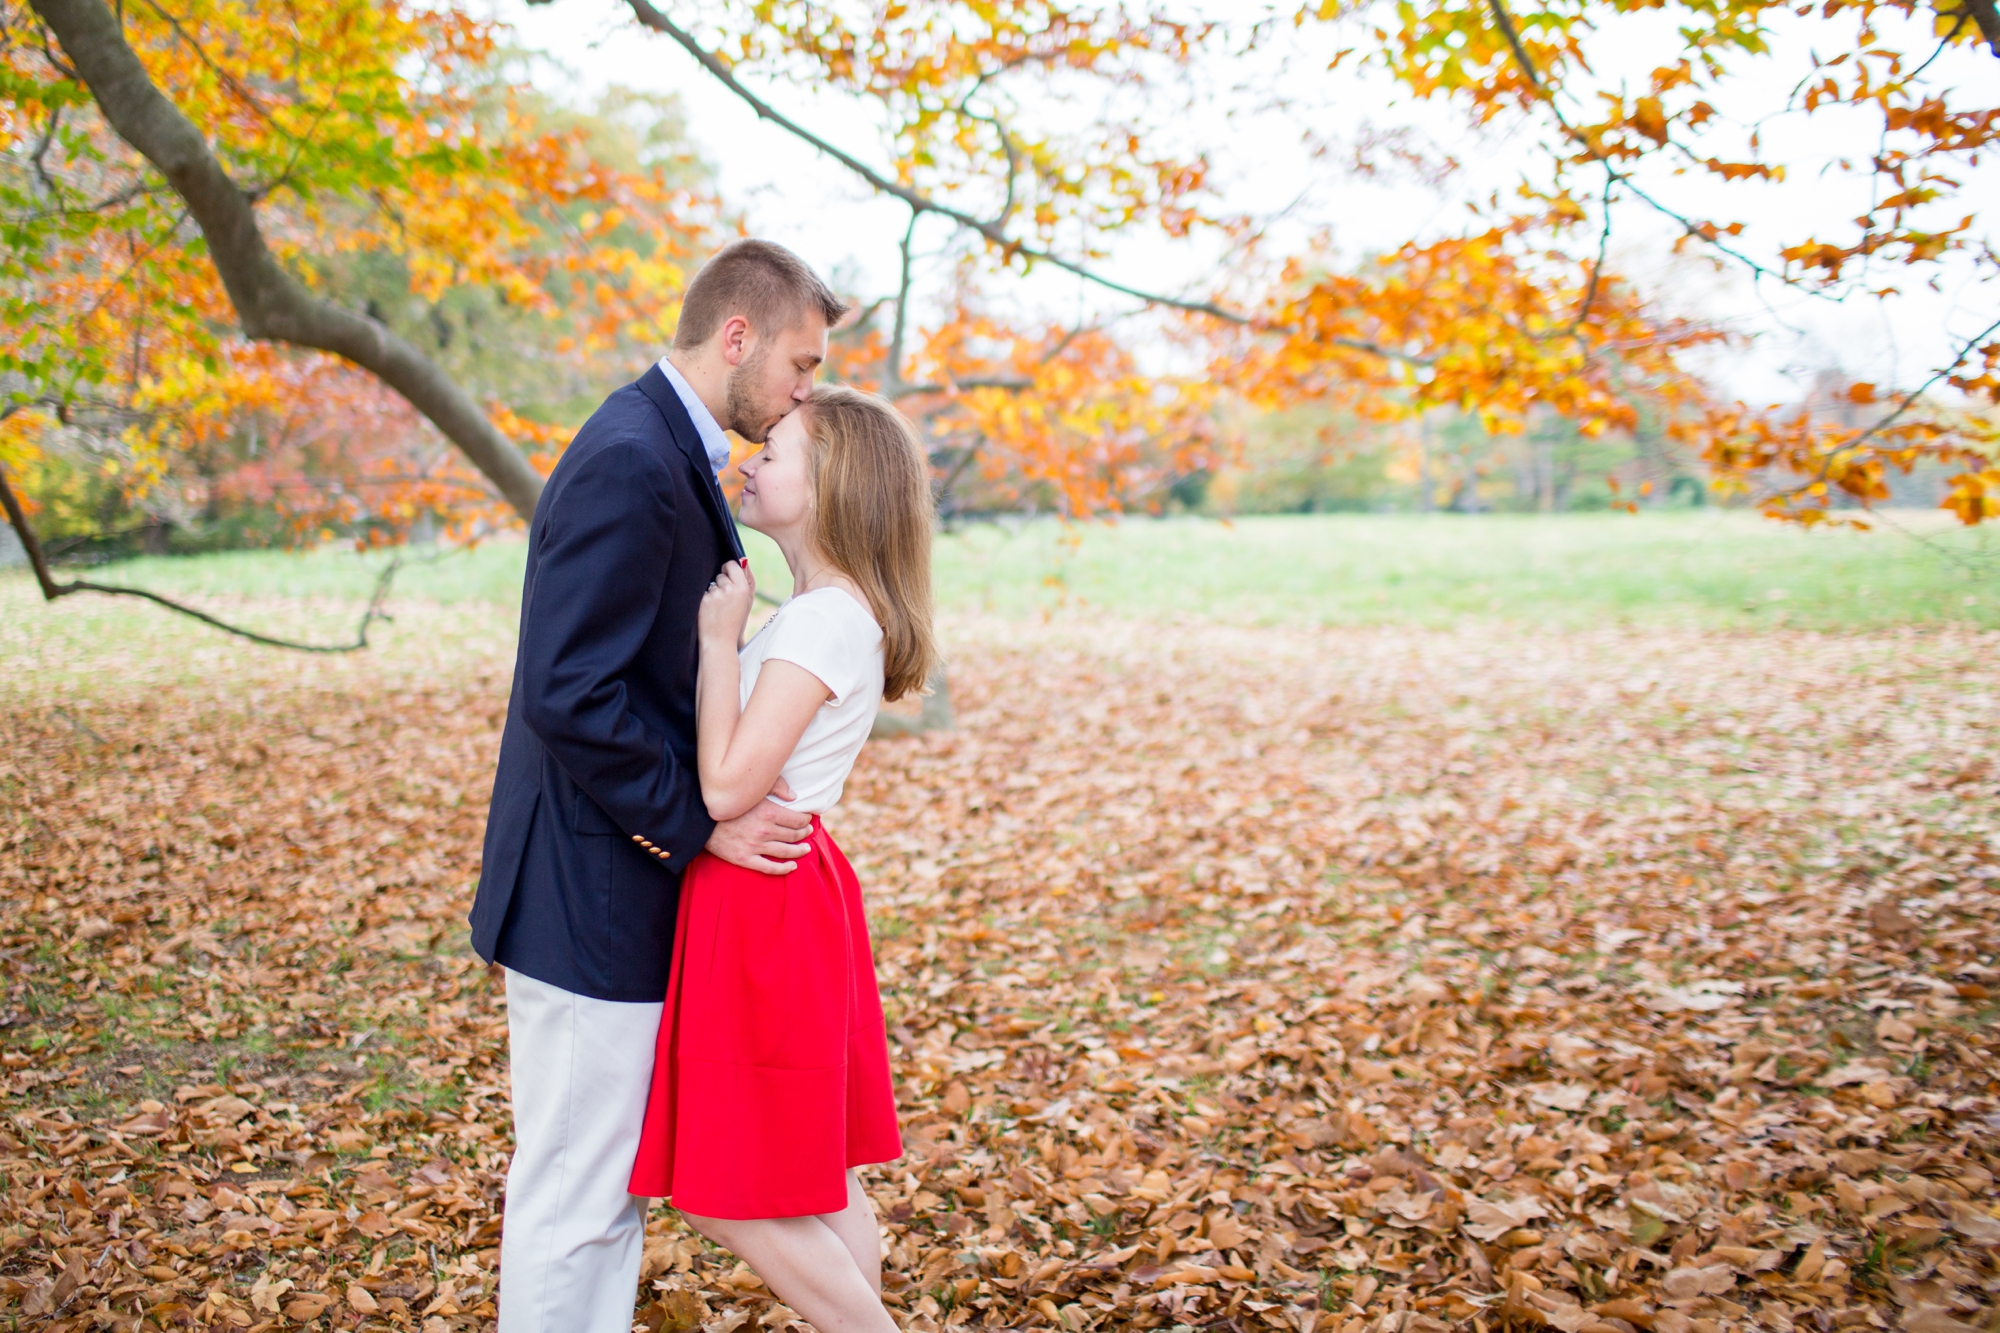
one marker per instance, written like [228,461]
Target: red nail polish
[745,562]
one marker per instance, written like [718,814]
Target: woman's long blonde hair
[872,518]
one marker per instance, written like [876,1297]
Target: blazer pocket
[587,817]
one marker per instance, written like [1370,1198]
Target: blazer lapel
[680,426]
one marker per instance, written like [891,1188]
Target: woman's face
[777,493]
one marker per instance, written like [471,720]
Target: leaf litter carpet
[1376,981]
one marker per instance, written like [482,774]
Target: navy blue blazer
[599,747]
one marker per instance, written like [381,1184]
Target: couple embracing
[692,1011]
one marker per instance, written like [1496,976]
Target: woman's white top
[832,635]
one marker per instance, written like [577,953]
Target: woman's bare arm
[741,754]
[740,751]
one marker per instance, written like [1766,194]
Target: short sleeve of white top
[832,635]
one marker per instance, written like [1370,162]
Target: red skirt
[771,1076]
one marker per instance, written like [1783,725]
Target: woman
[771,1080]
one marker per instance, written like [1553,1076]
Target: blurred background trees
[399,169]
[403,166]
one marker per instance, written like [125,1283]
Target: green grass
[1704,568]
[1716,569]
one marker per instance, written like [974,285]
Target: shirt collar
[712,438]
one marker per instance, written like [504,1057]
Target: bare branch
[902,308]
[1007,206]
[51,589]
[1910,399]
[1015,383]
[1575,329]
[42,151]
[958,468]
[117,199]
[1689,227]
[272,305]
[1944,44]
[919,202]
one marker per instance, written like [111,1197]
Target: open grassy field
[1707,569]
[1310,926]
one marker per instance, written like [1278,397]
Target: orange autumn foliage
[1518,313]
[396,133]
[376,139]
[1044,417]
[1532,65]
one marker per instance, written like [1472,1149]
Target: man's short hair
[759,280]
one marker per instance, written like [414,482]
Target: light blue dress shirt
[712,438]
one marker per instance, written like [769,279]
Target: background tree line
[280,274]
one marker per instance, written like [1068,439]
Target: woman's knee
[717,1229]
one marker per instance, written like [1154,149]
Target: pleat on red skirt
[771,1076]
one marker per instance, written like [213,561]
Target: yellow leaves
[1974,497]
[20,433]
[378,134]
[1566,208]
[1649,119]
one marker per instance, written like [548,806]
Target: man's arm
[768,837]
[597,591]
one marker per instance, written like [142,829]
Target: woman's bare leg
[859,1231]
[807,1265]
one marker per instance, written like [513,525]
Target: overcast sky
[1258,121]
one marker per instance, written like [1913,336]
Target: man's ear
[736,339]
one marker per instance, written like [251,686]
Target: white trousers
[572,1237]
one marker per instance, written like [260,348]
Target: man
[596,807]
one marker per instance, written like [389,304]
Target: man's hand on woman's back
[768,837]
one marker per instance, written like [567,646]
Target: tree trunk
[272,305]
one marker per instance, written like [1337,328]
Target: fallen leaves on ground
[1381,980]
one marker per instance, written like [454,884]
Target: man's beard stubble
[745,414]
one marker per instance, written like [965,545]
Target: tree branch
[51,589]
[1505,22]
[958,469]
[918,201]
[1575,329]
[1987,16]
[1909,399]
[1011,382]
[42,151]
[271,304]
[896,385]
